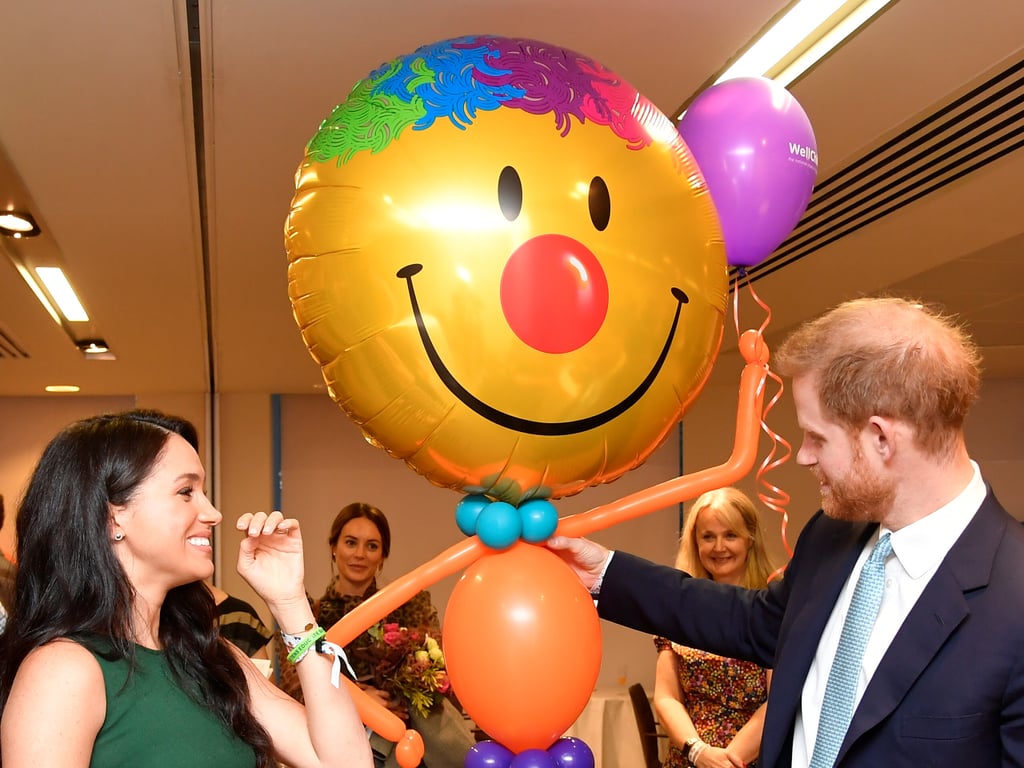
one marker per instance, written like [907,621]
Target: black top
[240,624]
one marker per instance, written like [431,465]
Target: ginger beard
[862,494]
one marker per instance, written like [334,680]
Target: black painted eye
[600,203]
[510,193]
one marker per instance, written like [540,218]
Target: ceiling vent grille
[976,129]
[9,348]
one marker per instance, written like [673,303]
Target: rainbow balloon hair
[455,79]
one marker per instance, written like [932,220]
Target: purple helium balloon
[488,754]
[570,752]
[754,145]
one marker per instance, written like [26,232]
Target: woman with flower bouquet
[399,661]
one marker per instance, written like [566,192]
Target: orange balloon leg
[409,749]
[522,643]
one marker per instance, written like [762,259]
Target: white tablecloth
[609,728]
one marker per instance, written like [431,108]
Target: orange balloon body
[523,646]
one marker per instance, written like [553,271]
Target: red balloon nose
[554,293]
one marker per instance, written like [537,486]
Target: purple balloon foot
[488,754]
[570,752]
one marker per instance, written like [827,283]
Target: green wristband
[299,651]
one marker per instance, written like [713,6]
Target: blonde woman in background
[712,707]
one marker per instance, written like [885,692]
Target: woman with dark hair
[360,542]
[112,656]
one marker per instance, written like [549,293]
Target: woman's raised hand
[270,556]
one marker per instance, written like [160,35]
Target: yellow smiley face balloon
[508,266]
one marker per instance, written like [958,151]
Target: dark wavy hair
[70,584]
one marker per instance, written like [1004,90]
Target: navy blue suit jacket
[948,692]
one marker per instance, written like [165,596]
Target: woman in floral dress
[712,707]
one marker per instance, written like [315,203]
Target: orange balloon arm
[403,589]
[748,424]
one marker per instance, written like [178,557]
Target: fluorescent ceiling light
[809,30]
[63,388]
[38,291]
[63,294]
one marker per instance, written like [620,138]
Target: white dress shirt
[918,550]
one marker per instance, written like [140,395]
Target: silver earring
[119,536]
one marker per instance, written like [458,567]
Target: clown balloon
[509,268]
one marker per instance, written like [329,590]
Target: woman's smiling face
[722,551]
[358,555]
[168,522]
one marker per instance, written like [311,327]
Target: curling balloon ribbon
[771,495]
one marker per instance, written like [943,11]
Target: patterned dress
[719,694]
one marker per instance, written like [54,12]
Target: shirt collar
[921,545]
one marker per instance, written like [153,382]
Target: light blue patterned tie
[841,688]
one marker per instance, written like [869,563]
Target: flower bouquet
[408,663]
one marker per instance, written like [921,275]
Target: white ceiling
[183,270]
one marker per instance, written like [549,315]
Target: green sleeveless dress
[152,723]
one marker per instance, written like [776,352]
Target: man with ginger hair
[881,389]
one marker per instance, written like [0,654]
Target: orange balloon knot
[753,347]
[409,751]
[500,525]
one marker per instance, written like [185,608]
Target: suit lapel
[938,612]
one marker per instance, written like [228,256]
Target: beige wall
[244,482]
[28,425]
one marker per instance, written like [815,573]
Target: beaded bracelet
[298,653]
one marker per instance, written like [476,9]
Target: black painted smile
[529,426]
